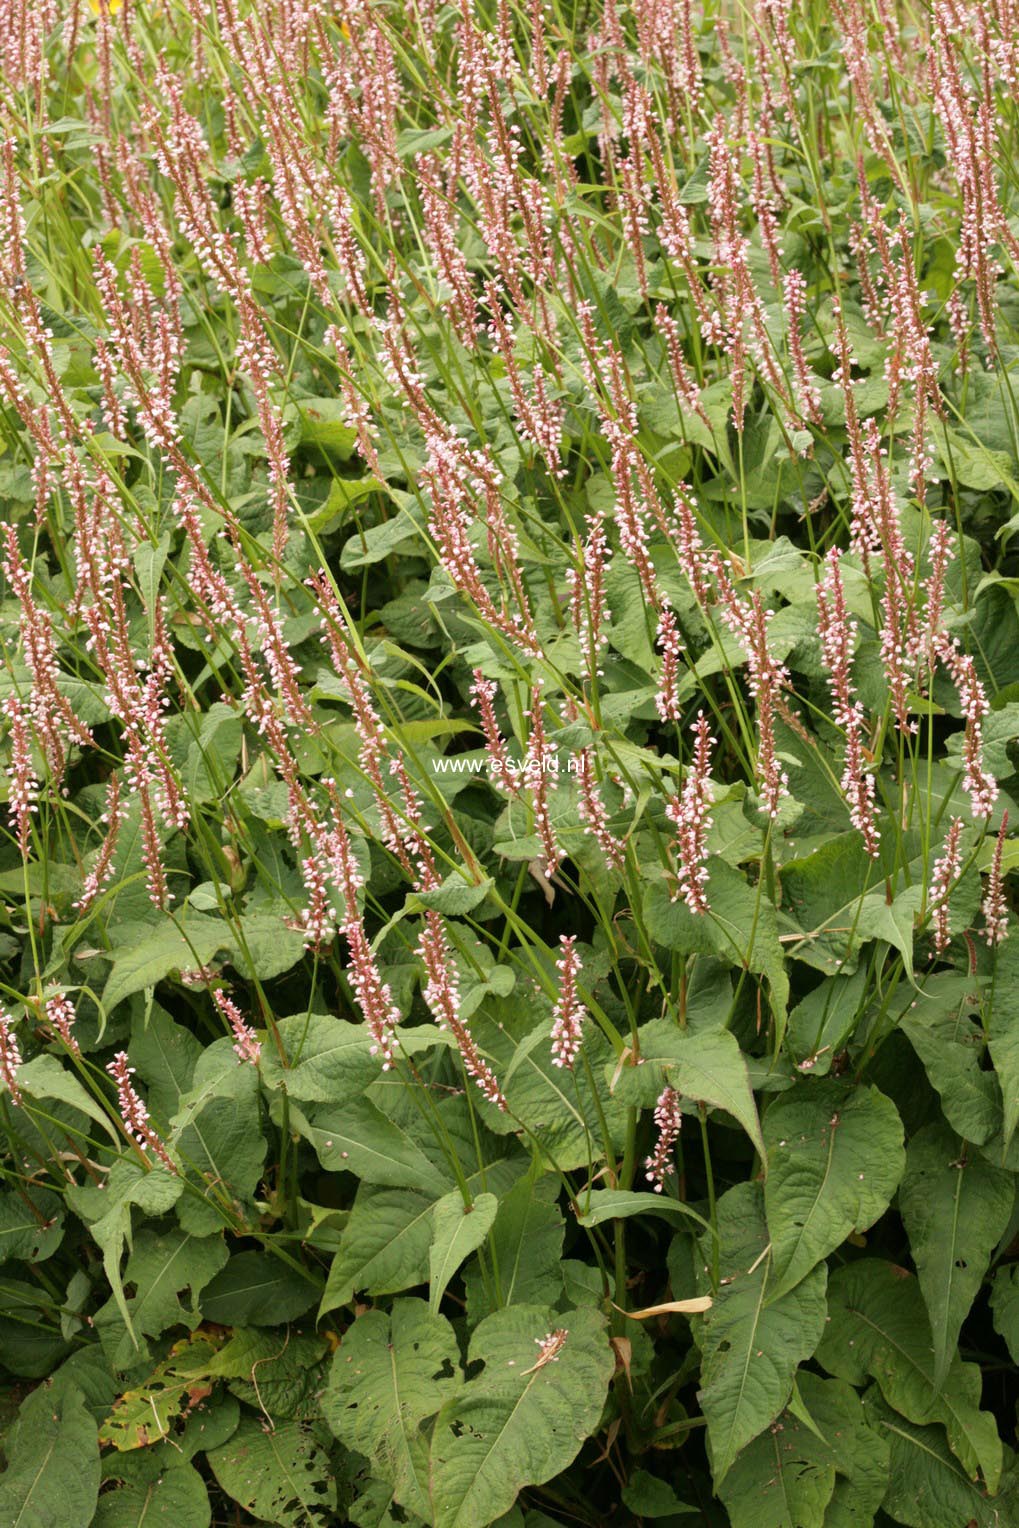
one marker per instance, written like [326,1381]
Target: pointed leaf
[955,1206]
[751,1348]
[879,1328]
[389,1374]
[457,1231]
[521,1421]
[835,1157]
[52,1474]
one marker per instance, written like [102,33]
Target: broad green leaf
[52,1474]
[220,1138]
[523,1420]
[152,957]
[825,1465]
[751,1348]
[950,1045]
[389,1374]
[402,532]
[384,1246]
[955,1207]
[649,1496]
[704,1065]
[835,1158]
[161,1266]
[279,1372]
[45,1077]
[1004,1033]
[323,425]
[879,1329]
[280,1476]
[158,1490]
[31,1225]
[164,1054]
[619,1204]
[457,1231]
[257,1289]
[927,1487]
[259,947]
[154,1191]
[525,1248]
[455,897]
[558,1106]
[360,1139]
[330,1061]
[822,1022]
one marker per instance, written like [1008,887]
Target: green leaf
[955,1207]
[360,1139]
[148,960]
[389,1374]
[31,1225]
[401,533]
[455,897]
[164,1054]
[161,1266]
[560,1107]
[280,1476]
[951,1046]
[218,1134]
[525,1252]
[44,1077]
[159,1490]
[751,1348]
[704,1065]
[457,1231]
[879,1329]
[154,1190]
[323,426]
[835,1158]
[833,1471]
[927,1487]
[1004,1036]
[257,1289]
[619,1204]
[651,1496]
[52,1474]
[278,1372]
[783,1479]
[384,1245]
[521,1421]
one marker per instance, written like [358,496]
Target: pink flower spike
[10,1056]
[60,1013]
[133,1111]
[691,813]
[669,1119]
[667,701]
[946,873]
[994,906]
[247,1046]
[569,1013]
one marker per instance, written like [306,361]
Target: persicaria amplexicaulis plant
[509,713]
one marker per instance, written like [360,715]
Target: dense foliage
[510,704]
